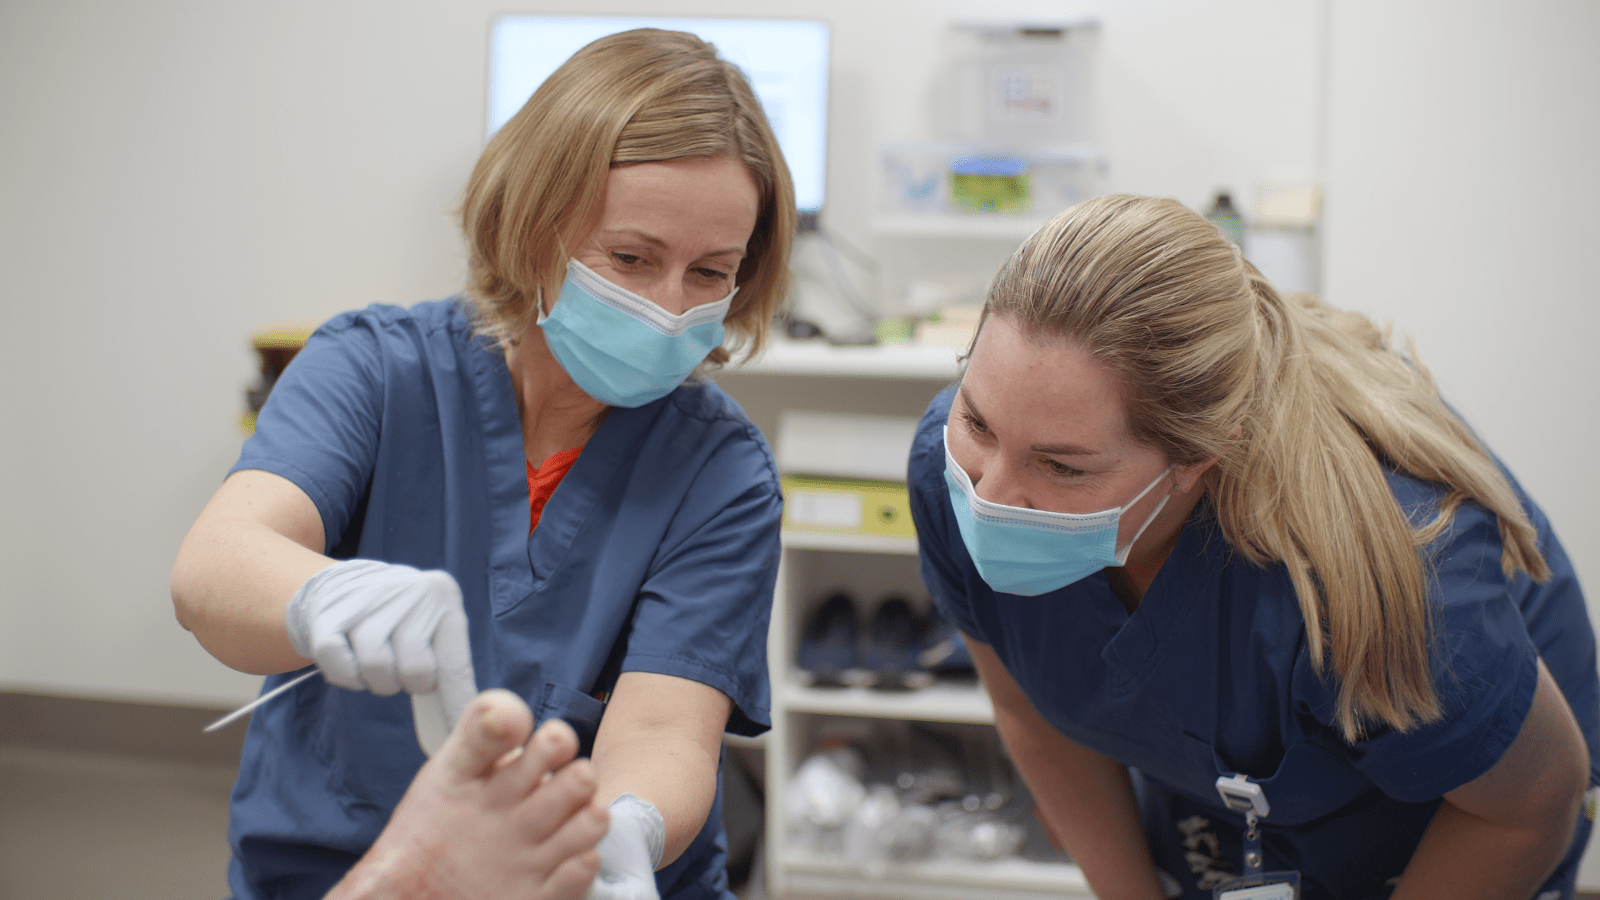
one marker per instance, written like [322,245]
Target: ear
[1186,477]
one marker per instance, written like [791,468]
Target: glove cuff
[298,614]
[651,826]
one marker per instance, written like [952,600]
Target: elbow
[1568,793]
[184,613]
[1566,782]
[184,592]
[1553,752]
[1556,798]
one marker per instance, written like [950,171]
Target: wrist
[650,827]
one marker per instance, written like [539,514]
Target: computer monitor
[786,61]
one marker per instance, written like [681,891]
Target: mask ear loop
[1122,555]
[539,305]
[544,314]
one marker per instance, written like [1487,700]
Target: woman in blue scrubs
[630,225]
[1253,605]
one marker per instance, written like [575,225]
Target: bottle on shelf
[1227,219]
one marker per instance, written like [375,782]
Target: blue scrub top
[1211,674]
[658,552]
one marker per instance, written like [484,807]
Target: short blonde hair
[1305,405]
[638,96]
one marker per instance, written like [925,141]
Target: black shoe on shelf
[893,639]
[827,653]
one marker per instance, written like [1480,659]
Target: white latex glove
[630,851]
[384,628]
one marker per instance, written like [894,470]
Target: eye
[710,275]
[974,424]
[1058,468]
[624,259]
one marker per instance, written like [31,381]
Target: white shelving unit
[899,362]
[891,380]
[795,872]
[974,226]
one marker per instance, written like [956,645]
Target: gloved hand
[630,851]
[380,627]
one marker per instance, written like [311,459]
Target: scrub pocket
[578,709]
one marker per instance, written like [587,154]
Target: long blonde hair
[1304,405]
[638,96]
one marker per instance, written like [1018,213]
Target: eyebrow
[659,244]
[1046,449]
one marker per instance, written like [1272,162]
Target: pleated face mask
[1031,551]
[622,349]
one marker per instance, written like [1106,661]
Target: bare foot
[493,815]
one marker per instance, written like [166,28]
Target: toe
[495,723]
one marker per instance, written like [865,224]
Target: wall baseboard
[173,733]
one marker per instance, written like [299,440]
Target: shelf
[818,357]
[937,703]
[813,874]
[959,226]
[849,542]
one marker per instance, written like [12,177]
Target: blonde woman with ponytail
[1193,530]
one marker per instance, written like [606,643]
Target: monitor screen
[785,60]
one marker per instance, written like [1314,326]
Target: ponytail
[1305,408]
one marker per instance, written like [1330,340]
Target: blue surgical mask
[1032,551]
[622,349]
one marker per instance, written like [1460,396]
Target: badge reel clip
[1242,795]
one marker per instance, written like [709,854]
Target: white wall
[177,173]
[1463,184]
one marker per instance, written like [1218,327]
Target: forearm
[1092,812]
[661,740]
[1464,857]
[230,585]
[1085,798]
[677,777]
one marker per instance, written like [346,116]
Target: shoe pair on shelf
[893,652]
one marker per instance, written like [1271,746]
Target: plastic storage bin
[1029,83]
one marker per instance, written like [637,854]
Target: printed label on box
[808,507]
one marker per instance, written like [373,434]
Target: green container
[990,184]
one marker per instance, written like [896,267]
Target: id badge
[1242,795]
[1260,886]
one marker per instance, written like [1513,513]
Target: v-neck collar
[1136,647]
[520,563]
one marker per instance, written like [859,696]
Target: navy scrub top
[658,553]
[1211,675]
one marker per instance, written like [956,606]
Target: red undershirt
[542,482]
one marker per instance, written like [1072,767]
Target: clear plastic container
[918,177]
